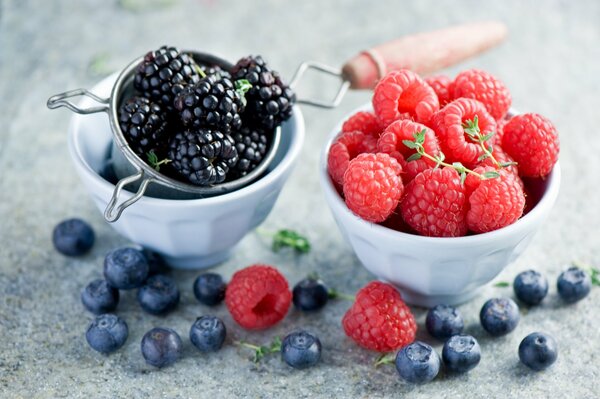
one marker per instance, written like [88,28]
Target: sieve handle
[60,100]
[114,210]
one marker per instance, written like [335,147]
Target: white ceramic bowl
[432,270]
[189,234]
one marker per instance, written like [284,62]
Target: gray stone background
[550,62]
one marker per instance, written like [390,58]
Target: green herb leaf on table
[385,358]
[260,351]
[292,239]
[502,284]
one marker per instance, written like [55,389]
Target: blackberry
[143,124]
[269,101]
[212,102]
[165,72]
[204,156]
[251,145]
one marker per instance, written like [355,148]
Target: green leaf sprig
[291,239]
[260,351]
[472,130]
[154,162]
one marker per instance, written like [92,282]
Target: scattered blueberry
[208,333]
[161,347]
[499,316]
[73,237]
[461,353]
[156,263]
[301,349]
[310,294]
[538,351]
[125,268]
[574,284]
[209,288]
[107,333]
[418,363]
[159,295]
[99,297]
[530,287]
[444,321]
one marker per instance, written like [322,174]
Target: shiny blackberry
[252,145]
[204,156]
[143,124]
[269,101]
[165,72]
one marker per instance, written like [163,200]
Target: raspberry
[532,141]
[495,203]
[500,130]
[482,86]
[347,147]
[379,320]
[372,186]
[448,124]
[391,143]
[443,87]
[258,297]
[365,122]
[435,203]
[404,95]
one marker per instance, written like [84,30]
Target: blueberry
[125,268]
[99,297]
[161,347]
[159,295]
[461,353]
[538,351]
[499,316]
[107,333]
[156,263]
[208,333]
[530,287]
[310,294]
[574,284]
[418,362]
[73,237]
[444,321]
[301,349]
[209,289]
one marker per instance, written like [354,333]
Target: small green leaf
[488,136]
[414,157]
[420,137]
[154,162]
[490,148]
[241,87]
[292,239]
[463,177]
[335,294]
[502,284]
[483,156]
[386,358]
[491,175]
[410,144]
[460,168]
[507,164]
[595,274]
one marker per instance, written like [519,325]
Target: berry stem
[386,358]
[335,294]
[154,162]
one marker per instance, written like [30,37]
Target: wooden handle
[423,52]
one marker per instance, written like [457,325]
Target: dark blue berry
[310,294]
[159,295]
[125,268]
[574,284]
[461,353]
[444,321]
[209,289]
[73,237]
[499,316]
[301,349]
[208,333]
[538,351]
[530,287]
[107,333]
[156,264]
[418,363]
[161,347]
[99,297]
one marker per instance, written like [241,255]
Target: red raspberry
[494,203]
[258,297]
[532,141]
[365,122]
[435,204]
[372,186]
[500,130]
[391,143]
[448,124]
[379,320]
[482,86]
[346,148]
[443,87]
[404,95]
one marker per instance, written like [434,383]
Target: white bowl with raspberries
[436,186]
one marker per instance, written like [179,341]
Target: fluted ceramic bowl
[434,270]
[190,234]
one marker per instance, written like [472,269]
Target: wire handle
[114,211]
[60,100]
[305,66]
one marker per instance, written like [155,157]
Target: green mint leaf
[414,157]
[292,239]
[491,175]
[410,144]
[502,284]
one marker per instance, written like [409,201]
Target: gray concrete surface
[550,63]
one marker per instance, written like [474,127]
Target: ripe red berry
[372,186]
[484,87]
[258,297]
[532,141]
[347,147]
[443,87]
[435,204]
[379,320]
[404,95]
[365,122]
